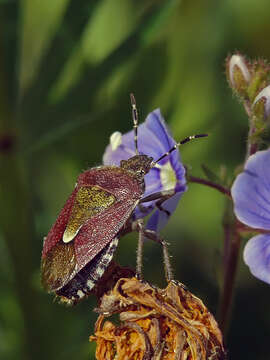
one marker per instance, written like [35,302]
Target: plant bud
[261,104]
[238,74]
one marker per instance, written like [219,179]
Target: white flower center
[167,176]
[115,140]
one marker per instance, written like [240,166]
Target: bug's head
[139,164]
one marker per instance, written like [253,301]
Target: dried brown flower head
[156,324]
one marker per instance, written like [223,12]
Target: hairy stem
[251,147]
[209,183]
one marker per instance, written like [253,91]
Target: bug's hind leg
[139,265]
[152,235]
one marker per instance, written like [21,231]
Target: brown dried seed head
[156,324]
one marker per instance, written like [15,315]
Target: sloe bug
[81,243]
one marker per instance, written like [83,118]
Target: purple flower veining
[251,196]
[154,140]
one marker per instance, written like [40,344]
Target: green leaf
[76,17]
[80,97]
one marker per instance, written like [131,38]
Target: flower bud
[261,104]
[238,73]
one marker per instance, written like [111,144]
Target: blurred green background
[66,70]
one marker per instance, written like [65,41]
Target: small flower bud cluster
[247,78]
[250,81]
[250,190]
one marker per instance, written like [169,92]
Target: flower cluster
[154,140]
[165,324]
[251,196]
[251,188]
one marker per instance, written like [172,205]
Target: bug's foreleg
[160,196]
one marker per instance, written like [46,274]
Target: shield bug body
[81,243]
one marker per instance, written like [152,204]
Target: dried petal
[164,324]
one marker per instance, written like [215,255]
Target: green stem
[17,230]
[16,219]
[251,146]
[232,241]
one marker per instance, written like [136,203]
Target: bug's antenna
[182,142]
[135,121]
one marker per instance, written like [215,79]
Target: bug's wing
[101,228]
[89,201]
[56,232]
[93,215]
[58,260]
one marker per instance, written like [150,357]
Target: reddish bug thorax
[81,243]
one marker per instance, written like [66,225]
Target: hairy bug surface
[81,243]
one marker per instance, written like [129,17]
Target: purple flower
[154,140]
[251,196]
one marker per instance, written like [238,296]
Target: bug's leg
[144,209]
[152,235]
[140,229]
[159,205]
[160,197]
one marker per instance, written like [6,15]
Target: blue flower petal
[251,192]
[123,152]
[155,125]
[152,185]
[152,182]
[154,140]
[160,218]
[257,256]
